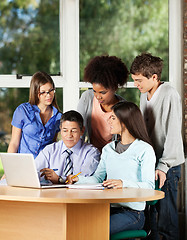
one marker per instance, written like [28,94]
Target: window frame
[69,79]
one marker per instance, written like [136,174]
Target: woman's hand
[71,179]
[113,183]
[49,174]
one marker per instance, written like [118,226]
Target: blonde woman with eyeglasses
[35,124]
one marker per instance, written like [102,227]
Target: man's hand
[161,176]
[49,174]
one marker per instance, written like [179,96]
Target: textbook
[97,186]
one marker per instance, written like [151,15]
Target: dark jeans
[164,215]
[122,219]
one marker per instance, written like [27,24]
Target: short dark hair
[109,71]
[130,115]
[72,116]
[147,65]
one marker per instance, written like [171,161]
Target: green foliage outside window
[29,36]
[124,29]
[29,42]
[29,39]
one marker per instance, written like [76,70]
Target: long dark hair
[130,115]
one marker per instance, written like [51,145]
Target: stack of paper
[98,186]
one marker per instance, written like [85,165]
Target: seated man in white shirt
[70,155]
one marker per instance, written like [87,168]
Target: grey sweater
[164,122]
[85,109]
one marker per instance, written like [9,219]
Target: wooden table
[62,214]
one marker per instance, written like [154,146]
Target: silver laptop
[20,171]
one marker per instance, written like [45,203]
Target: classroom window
[124,29]
[29,39]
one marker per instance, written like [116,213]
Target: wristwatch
[60,180]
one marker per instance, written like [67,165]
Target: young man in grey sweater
[161,107]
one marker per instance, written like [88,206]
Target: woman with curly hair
[106,74]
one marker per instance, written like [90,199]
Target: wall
[185,71]
[185,100]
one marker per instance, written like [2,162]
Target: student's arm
[98,176]
[17,125]
[172,118]
[84,107]
[173,146]
[15,140]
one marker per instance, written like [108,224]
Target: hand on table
[113,183]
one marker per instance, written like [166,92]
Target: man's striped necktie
[68,169]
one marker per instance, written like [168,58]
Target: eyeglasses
[50,92]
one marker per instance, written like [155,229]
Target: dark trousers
[122,219]
[164,215]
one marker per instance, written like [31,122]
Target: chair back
[138,233]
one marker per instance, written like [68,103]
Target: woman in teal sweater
[129,162]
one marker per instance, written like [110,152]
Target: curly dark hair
[147,65]
[109,71]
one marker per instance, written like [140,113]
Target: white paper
[3,182]
[86,186]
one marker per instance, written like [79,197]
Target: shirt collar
[75,149]
[38,110]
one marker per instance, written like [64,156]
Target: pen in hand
[73,177]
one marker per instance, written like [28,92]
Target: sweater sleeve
[84,107]
[98,176]
[172,120]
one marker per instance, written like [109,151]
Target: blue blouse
[35,136]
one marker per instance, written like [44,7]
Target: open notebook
[20,171]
